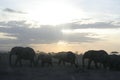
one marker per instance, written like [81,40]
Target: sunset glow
[60,25]
[54,12]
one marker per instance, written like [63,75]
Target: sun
[53,12]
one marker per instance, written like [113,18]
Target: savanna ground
[54,72]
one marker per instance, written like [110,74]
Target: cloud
[13,23]
[6,36]
[98,25]
[13,11]
[45,34]
[24,34]
[80,38]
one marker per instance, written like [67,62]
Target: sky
[60,25]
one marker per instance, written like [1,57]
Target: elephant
[96,56]
[45,59]
[66,57]
[22,53]
[114,62]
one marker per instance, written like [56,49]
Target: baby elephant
[45,59]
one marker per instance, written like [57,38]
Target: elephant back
[66,56]
[22,52]
[95,54]
[28,52]
[60,55]
[45,57]
[71,56]
[16,50]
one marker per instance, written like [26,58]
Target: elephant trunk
[10,58]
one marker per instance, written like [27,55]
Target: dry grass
[54,72]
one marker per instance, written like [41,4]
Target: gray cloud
[14,23]
[26,35]
[45,34]
[13,11]
[80,38]
[98,25]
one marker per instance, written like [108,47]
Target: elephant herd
[100,58]
[27,53]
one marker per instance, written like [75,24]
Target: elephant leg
[83,62]
[104,66]
[100,65]
[96,65]
[42,63]
[63,62]
[16,61]
[36,62]
[50,63]
[89,63]
[118,66]
[20,62]
[111,67]
[59,62]
[72,63]
[31,63]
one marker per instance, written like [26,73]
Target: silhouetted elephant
[100,56]
[0,58]
[45,59]
[22,53]
[66,57]
[114,62]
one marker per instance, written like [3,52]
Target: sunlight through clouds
[53,13]
[100,33]
[6,36]
[60,25]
